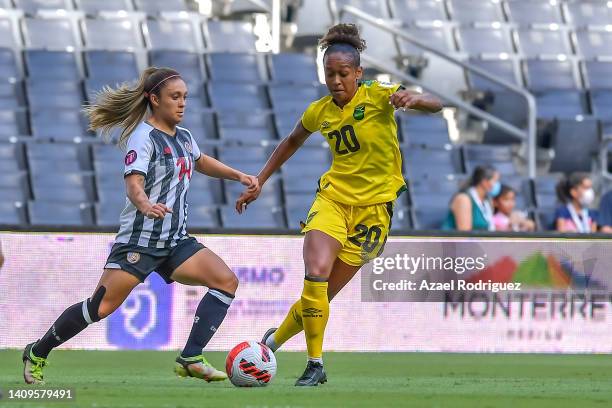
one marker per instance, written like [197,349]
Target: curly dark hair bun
[343,33]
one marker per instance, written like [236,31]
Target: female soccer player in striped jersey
[350,218]
[159,163]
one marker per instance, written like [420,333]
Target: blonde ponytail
[125,106]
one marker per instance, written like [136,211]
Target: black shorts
[141,261]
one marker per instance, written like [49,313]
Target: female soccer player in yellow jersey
[350,218]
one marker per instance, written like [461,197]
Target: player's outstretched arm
[134,184]
[279,156]
[214,168]
[406,99]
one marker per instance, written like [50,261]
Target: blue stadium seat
[430,210]
[292,97]
[499,156]
[12,213]
[551,74]
[402,220]
[251,128]
[240,97]
[485,40]
[470,11]
[111,66]
[202,216]
[43,94]
[153,7]
[108,213]
[13,123]
[312,23]
[113,32]
[63,187]
[293,68]
[230,36]
[11,94]
[58,124]
[601,103]
[181,34]
[9,33]
[236,67]
[569,134]
[33,6]
[594,44]
[57,213]
[9,66]
[258,215]
[421,163]
[93,7]
[189,64]
[533,43]
[411,12]
[597,74]
[534,12]
[430,131]
[506,69]
[14,186]
[560,104]
[588,13]
[52,65]
[204,190]
[65,33]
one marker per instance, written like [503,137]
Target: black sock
[209,316]
[69,324]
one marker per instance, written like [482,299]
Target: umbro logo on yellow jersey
[324,125]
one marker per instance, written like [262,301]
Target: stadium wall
[46,272]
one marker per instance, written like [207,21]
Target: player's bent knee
[91,310]
[230,283]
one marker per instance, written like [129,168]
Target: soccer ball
[250,364]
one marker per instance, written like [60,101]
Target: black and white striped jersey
[167,163]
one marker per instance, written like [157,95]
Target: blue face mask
[495,190]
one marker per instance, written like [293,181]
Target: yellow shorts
[362,230]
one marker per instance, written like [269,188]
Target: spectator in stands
[605,213]
[576,195]
[506,218]
[471,208]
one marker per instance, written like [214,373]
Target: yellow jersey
[362,137]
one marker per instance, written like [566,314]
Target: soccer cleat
[198,367]
[313,375]
[32,366]
[267,335]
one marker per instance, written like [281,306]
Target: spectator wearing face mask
[576,195]
[506,217]
[471,208]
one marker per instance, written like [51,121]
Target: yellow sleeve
[386,89]
[309,118]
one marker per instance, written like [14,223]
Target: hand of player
[252,182]
[405,99]
[246,198]
[157,211]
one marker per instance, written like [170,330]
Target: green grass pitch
[145,379]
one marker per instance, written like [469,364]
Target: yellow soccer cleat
[198,367]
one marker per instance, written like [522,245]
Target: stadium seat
[499,156]
[588,13]
[570,133]
[72,187]
[202,216]
[597,74]
[113,32]
[506,69]
[230,36]
[239,8]
[485,40]
[435,185]
[427,131]
[111,66]
[422,163]
[9,67]
[293,68]
[240,97]
[374,8]
[13,123]
[14,186]
[560,104]
[301,179]
[189,64]
[11,94]
[52,65]
[65,32]
[389,54]
[12,213]
[551,74]
[56,213]
[204,190]
[601,103]
[108,213]
[58,124]
[312,22]
[534,12]
[197,96]
[285,121]
[470,11]
[594,44]
[12,152]
[94,7]
[258,215]
[545,194]
[34,6]
[200,123]
[292,97]
[430,210]
[236,67]
[43,94]
[152,7]
[435,36]
[411,12]
[249,128]
[402,220]
[534,43]
[177,34]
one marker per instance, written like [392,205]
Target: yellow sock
[315,312]
[291,326]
